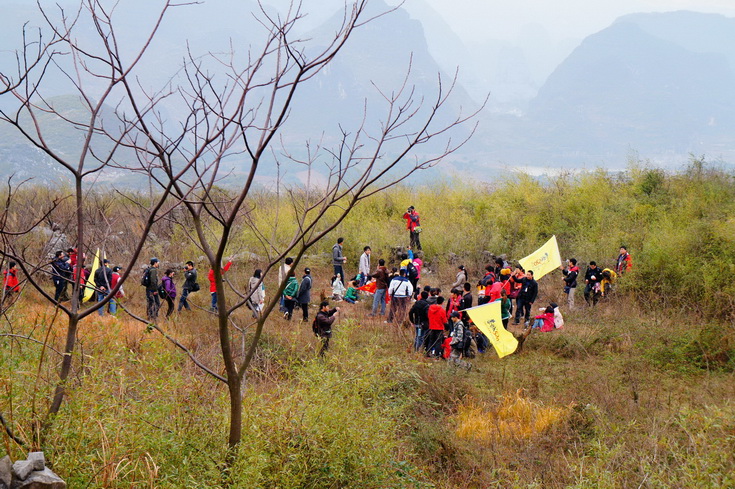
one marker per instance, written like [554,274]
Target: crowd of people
[443,328]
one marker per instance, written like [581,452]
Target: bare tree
[241,111]
[103,83]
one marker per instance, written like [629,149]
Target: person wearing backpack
[400,291]
[190,285]
[168,290]
[150,282]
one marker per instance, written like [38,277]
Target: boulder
[37,459]
[42,479]
[6,472]
[22,469]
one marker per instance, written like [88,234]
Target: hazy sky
[477,20]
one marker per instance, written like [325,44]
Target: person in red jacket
[437,323]
[213,285]
[413,224]
[10,282]
[545,320]
[624,263]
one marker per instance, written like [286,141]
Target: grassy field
[618,398]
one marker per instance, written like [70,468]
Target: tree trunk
[71,338]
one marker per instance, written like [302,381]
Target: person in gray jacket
[338,259]
[304,294]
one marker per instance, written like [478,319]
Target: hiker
[624,263]
[115,279]
[303,296]
[213,286]
[256,289]
[506,307]
[400,291]
[10,281]
[413,225]
[381,287]
[61,274]
[545,320]
[419,317]
[608,279]
[570,281]
[190,285]
[338,258]
[150,282]
[323,325]
[290,293]
[437,322]
[592,279]
[282,272]
[460,336]
[526,297]
[103,284]
[351,294]
[364,268]
[461,278]
[168,290]
[338,288]
[413,272]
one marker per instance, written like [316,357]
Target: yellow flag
[544,260]
[489,319]
[89,291]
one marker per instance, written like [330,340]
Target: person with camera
[413,224]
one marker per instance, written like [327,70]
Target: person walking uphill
[168,293]
[338,258]
[322,326]
[150,282]
[190,285]
[213,285]
[413,224]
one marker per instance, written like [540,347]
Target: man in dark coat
[323,325]
[303,296]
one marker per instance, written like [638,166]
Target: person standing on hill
[103,283]
[61,274]
[526,297]
[213,285]
[419,316]
[364,268]
[290,293]
[592,279]
[151,283]
[338,258]
[437,322]
[304,295]
[323,325]
[413,224]
[459,337]
[190,285]
[624,262]
[10,281]
[256,289]
[169,289]
[570,281]
[381,286]
[461,278]
[400,291]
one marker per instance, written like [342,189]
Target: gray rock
[44,479]
[6,472]
[22,469]
[38,460]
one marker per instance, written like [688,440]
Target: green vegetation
[638,392]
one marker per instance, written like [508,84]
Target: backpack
[195,287]
[162,291]
[146,280]
[412,272]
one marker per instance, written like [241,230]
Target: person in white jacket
[364,269]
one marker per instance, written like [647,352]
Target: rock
[38,460]
[22,469]
[43,479]
[6,472]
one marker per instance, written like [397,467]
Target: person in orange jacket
[213,285]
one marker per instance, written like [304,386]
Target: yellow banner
[488,318]
[89,291]
[544,260]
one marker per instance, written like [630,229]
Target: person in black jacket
[592,279]
[103,284]
[303,296]
[526,298]
[570,280]
[61,267]
[153,300]
[323,325]
[190,285]
[419,317]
